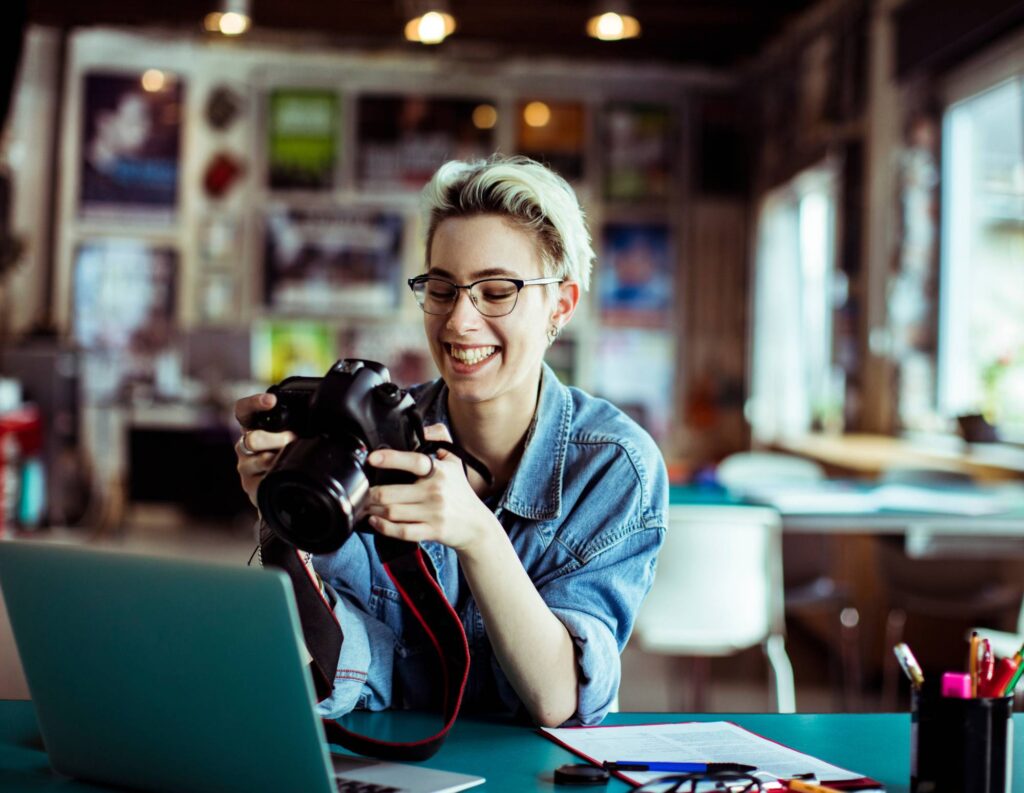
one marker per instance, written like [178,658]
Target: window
[794,385]
[981,324]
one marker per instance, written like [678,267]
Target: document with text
[692,742]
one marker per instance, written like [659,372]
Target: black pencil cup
[960,745]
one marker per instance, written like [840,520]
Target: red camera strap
[414,578]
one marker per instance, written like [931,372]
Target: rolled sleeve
[363,677]
[597,602]
[365,665]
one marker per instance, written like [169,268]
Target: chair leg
[895,623]
[700,681]
[781,683]
[849,643]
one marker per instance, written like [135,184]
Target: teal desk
[1008,526]
[515,758]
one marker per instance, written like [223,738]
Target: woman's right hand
[260,448]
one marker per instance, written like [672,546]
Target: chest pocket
[386,605]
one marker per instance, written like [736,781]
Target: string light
[431,27]
[613,25]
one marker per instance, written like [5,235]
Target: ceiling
[717,34]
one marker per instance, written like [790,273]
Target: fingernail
[375,521]
[375,458]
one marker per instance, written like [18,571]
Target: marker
[908,663]
[678,768]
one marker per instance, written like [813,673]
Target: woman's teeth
[472,355]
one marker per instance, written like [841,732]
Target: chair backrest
[718,587]
[745,470]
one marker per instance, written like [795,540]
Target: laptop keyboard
[355,786]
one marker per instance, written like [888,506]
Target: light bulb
[233,23]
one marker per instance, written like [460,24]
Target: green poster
[303,139]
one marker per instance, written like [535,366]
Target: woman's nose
[463,314]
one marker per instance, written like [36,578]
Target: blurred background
[809,220]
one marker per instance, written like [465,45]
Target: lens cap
[580,774]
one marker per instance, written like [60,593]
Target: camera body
[315,494]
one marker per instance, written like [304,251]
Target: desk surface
[841,520]
[516,758]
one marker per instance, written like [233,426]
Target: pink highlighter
[956,685]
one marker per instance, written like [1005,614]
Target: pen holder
[960,745]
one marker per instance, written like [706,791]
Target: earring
[553,332]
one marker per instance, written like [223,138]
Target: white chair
[808,562]
[718,590]
[749,470]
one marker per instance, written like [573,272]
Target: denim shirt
[586,513]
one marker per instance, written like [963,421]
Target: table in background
[516,758]
[870,455]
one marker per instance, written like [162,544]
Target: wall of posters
[130,148]
[638,143]
[635,271]
[331,260]
[302,149]
[403,139]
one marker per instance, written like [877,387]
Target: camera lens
[313,496]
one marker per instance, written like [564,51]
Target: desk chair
[947,579]
[718,590]
[807,562]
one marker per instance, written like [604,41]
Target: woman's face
[488,358]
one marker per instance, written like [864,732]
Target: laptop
[171,675]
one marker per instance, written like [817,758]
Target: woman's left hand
[441,505]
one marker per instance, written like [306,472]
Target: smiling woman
[547,565]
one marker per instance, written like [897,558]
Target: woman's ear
[565,306]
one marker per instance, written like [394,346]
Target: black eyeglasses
[493,297]
[717,781]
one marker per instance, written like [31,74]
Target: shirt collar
[535,491]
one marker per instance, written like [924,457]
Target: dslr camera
[315,494]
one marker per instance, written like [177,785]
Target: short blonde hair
[527,193]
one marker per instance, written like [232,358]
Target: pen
[911,668]
[809,787]
[679,768]
[1012,685]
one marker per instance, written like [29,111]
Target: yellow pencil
[972,663]
[809,787]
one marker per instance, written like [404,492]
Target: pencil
[972,663]
[809,787]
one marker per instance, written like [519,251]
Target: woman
[548,565]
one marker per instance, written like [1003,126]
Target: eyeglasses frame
[519,283]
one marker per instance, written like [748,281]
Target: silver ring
[243,445]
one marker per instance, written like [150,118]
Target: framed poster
[303,146]
[638,146]
[553,133]
[402,140]
[399,346]
[634,369]
[131,139]
[124,295]
[635,275]
[330,260]
[292,349]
